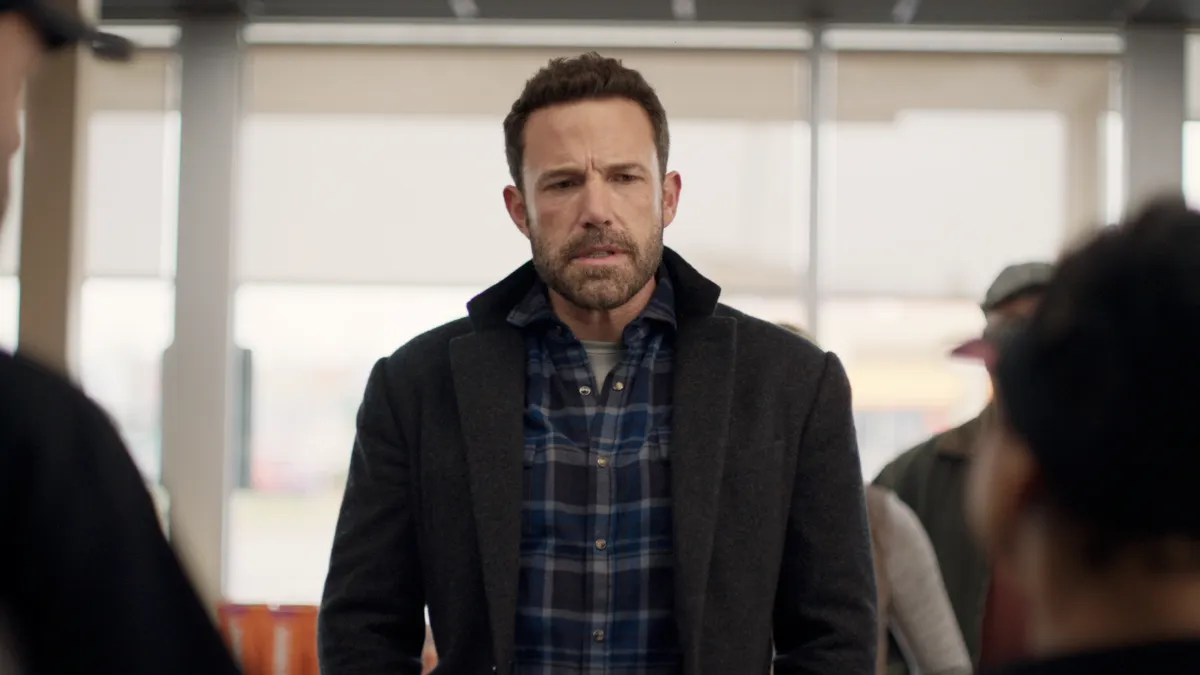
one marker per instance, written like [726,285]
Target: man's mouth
[598,253]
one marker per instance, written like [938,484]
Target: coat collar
[962,440]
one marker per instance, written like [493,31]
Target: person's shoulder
[426,357]
[887,501]
[911,467]
[432,343]
[887,510]
[755,334]
[899,472]
[38,404]
[26,385]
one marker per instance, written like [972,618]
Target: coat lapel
[489,382]
[704,373]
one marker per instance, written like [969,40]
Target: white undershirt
[603,357]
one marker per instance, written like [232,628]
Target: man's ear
[672,185]
[514,203]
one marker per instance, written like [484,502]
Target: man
[931,479]
[87,582]
[1084,488]
[601,469]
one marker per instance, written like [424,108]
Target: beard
[598,288]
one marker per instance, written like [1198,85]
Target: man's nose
[597,202]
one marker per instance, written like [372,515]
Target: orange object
[272,640]
[294,643]
[248,629]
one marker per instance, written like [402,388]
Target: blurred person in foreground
[602,469]
[1084,487]
[931,479]
[910,596]
[88,583]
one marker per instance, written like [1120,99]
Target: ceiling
[977,13]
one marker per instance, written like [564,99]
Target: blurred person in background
[931,479]
[913,605]
[910,596]
[88,583]
[1084,486]
[602,469]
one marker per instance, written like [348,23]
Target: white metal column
[1154,107]
[199,366]
[818,88]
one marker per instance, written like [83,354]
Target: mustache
[600,238]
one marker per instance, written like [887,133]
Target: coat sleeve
[372,616]
[825,617]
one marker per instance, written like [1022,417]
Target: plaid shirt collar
[534,309]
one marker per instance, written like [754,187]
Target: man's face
[1020,308]
[593,204]
[19,49]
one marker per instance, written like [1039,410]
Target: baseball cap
[1017,280]
[995,340]
[1012,282]
[59,28]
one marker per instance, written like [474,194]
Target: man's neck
[1116,614]
[601,325]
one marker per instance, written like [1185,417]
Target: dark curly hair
[1099,383]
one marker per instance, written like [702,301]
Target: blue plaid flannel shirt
[597,592]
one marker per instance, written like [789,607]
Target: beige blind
[146,83]
[874,85]
[485,81]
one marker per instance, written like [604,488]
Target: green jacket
[931,478]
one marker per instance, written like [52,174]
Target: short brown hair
[584,77]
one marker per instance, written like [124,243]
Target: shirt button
[619,386]
[585,390]
[602,462]
[601,544]
[598,635]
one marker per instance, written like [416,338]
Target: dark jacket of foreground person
[88,583]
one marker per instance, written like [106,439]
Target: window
[10,243]
[1191,162]
[126,324]
[944,169]
[127,302]
[373,213]
[10,221]
[897,355]
[9,302]
[1114,167]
